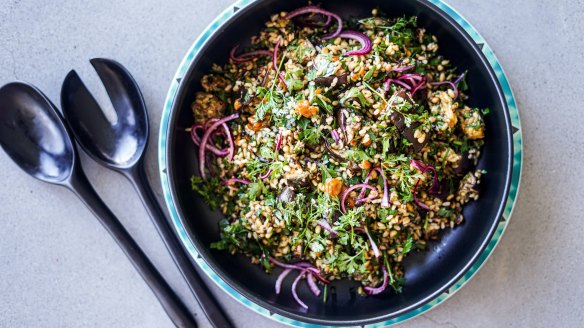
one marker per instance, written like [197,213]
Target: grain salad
[334,148]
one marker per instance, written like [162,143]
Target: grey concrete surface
[59,268]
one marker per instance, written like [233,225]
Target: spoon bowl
[120,143]
[35,138]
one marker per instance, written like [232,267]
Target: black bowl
[428,274]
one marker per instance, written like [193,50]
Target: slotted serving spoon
[120,145]
[34,135]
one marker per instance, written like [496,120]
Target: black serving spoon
[34,135]
[121,146]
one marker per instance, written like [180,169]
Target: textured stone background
[59,268]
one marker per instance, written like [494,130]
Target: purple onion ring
[363,40]
[318,10]
[247,56]
[377,290]
[205,139]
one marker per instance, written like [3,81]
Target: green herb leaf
[407,246]
[209,190]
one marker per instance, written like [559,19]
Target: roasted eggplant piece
[287,195]
[407,131]
[399,121]
[332,81]
[465,165]
[333,154]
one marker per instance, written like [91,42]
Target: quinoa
[318,123]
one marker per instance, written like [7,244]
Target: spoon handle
[171,303]
[206,300]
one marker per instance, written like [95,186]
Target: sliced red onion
[336,156]
[342,124]
[403,68]
[307,267]
[229,137]
[205,139]
[266,69]
[226,133]
[335,135]
[420,86]
[326,226]
[231,181]
[282,78]
[364,200]
[318,10]
[376,290]
[197,126]
[414,76]
[303,266]
[279,143]
[313,23]
[385,199]
[416,200]
[295,294]
[245,57]
[388,83]
[280,279]
[266,175]
[459,78]
[413,79]
[424,168]
[209,122]
[373,244]
[195,129]
[314,270]
[452,85]
[295,266]
[275,61]
[312,284]
[361,198]
[362,193]
[348,191]
[283,265]
[275,53]
[419,165]
[220,132]
[363,40]
[210,147]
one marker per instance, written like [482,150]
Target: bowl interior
[427,274]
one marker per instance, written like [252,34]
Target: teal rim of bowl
[513,189]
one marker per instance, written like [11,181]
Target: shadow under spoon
[34,135]
[120,145]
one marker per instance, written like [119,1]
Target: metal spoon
[34,135]
[121,146]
